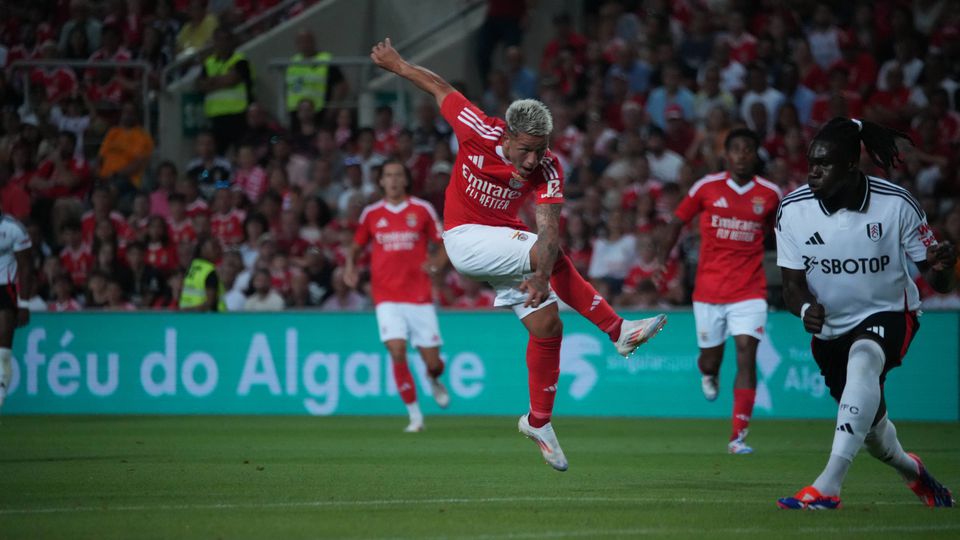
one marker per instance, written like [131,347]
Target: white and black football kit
[13,239]
[856,266]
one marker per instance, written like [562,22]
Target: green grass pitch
[464,478]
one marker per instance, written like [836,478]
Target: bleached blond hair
[529,116]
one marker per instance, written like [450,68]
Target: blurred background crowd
[642,92]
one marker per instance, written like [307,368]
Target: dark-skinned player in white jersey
[843,244]
[499,164]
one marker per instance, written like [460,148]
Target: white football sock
[6,367]
[413,409]
[858,407]
[882,444]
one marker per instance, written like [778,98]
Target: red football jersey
[399,234]
[162,257]
[484,188]
[733,219]
[77,262]
[181,232]
[88,224]
[228,227]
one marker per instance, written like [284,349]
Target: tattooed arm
[543,254]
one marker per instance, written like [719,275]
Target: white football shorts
[717,321]
[416,322]
[498,255]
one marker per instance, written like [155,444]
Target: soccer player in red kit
[736,207]
[498,165]
[400,227]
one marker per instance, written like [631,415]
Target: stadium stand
[643,94]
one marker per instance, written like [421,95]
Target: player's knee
[549,327]
[866,359]
[398,353]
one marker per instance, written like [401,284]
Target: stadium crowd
[642,99]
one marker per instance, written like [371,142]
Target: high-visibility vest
[232,100]
[307,82]
[195,286]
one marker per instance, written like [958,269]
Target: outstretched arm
[385,56]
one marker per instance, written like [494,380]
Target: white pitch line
[383,502]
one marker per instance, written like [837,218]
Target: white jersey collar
[503,157]
[396,208]
[737,187]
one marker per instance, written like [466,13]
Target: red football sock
[579,294]
[743,399]
[543,371]
[405,385]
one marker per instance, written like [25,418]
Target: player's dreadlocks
[880,142]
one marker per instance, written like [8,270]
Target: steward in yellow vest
[227,84]
[308,81]
[202,288]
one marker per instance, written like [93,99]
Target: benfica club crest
[757,205]
[516,182]
[412,220]
[875,231]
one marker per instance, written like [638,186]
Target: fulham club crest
[875,231]
[412,220]
[757,205]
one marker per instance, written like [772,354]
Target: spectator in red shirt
[139,217]
[680,134]
[195,204]
[860,66]
[62,292]
[181,229]
[161,253]
[891,107]
[385,131]
[838,101]
[14,200]
[61,182]
[250,177]
[102,209]
[565,37]
[62,174]
[111,49]
[58,82]
[75,256]
[743,45]
[226,222]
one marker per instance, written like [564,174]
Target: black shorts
[8,297]
[893,330]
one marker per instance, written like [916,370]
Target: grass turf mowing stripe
[393,502]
